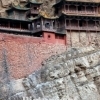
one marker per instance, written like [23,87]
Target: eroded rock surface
[73,75]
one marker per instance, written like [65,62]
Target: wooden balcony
[35,30]
[14,29]
[81,13]
[61,30]
[93,1]
[49,29]
[84,28]
[43,28]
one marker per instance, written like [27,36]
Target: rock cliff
[72,75]
[45,8]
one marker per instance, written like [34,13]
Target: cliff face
[46,6]
[73,75]
[19,57]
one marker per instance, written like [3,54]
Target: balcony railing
[43,28]
[94,1]
[37,29]
[88,28]
[50,29]
[14,29]
[87,13]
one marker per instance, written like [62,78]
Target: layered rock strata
[73,75]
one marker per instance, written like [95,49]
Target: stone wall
[81,39]
[24,54]
[73,75]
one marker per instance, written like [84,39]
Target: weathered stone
[75,78]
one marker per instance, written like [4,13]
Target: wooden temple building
[78,17]
[34,8]
[16,21]
[71,16]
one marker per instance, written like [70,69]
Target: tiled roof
[34,2]
[18,7]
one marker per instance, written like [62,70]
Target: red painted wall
[49,37]
[61,40]
[24,54]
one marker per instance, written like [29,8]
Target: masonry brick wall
[24,54]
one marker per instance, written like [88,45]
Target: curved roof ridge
[35,2]
[18,7]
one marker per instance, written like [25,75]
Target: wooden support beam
[68,7]
[79,30]
[8,24]
[64,7]
[85,9]
[65,22]
[20,26]
[70,33]
[77,9]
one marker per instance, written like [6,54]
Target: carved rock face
[65,77]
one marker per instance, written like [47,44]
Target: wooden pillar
[93,10]
[79,30]
[77,9]
[78,23]
[65,22]
[70,22]
[70,33]
[14,15]
[97,10]
[8,24]
[64,8]
[20,25]
[68,7]
[99,24]
[42,23]
[95,25]
[85,9]
[87,23]
[88,32]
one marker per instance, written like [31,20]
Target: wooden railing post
[77,9]
[85,10]
[20,26]
[97,10]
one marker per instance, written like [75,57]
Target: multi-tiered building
[80,19]
[75,23]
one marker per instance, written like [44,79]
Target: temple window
[81,8]
[89,8]
[66,7]
[72,7]
[35,8]
[80,23]
[47,25]
[91,23]
[38,25]
[74,22]
[33,25]
[53,24]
